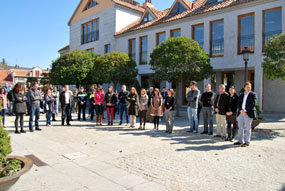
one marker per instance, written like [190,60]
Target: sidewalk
[84,157]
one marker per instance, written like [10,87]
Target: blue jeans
[123,108]
[192,113]
[48,115]
[35,111]
[10,108]
[3,113]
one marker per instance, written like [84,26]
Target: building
[222,27]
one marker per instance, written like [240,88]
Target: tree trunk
[115,85]
[177,99]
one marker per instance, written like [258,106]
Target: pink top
[4,104]
[99,97]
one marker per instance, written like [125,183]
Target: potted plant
[259,118]
[11,167]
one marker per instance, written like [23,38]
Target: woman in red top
[99,104]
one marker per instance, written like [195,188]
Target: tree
[45,79]
[178,59]
[32,80]
[274,61]
[74,67]
[119,68]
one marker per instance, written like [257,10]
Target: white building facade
[223,29]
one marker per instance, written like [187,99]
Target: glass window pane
[272,23]
[143,50]
[246,35]
[179,8]
[84,34]
[88,32]
[217,38]
[176,33]
[160,38]
[198,34]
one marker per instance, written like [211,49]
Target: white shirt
[66,94]
[244,101]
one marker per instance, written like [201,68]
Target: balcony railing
[143,57]
[246,41]
[217,47]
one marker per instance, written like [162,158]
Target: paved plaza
[84,157]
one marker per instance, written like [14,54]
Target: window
[37,73]
[91,3]
[107,48]
[160,37]
[272,23]
[90,50]
[217,38]
[198,33]
[143,50]
[179,8]
[175,32]
[246,32]
[214,1]
[132,49]
[90,31]
[148,17]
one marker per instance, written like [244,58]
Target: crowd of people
[233,113]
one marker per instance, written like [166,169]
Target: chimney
[148,3]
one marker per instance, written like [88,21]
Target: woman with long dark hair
[156,111]
[133,100]
[49,106]
[20,106]
[111,101]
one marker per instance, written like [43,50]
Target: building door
[228,80]
[251,78]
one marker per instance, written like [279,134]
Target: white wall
[124,17]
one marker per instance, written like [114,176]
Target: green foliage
[45,79]
[119,68]
[274,61]
[74,67]
[259,114]
[32,80]
[9,166]
[180,58]
[5,142]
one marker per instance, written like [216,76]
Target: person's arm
[251,104]
[188,98]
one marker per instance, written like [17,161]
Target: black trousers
[156,121]
[65,114]
[142,115]
[21,117]
[83,109]
[91,110]
[232,130]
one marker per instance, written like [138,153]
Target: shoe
[237,143]
[140,128]
[227,139]
[196,132]
[68,124]
[204,132]
[54,120]
[31,130]
[84,119]
[109,123]
[217,136]
[169,132]
[210,133]
[112,123]
[4,127]
[144,127]
[38,129]
[23,131]
[190,131]
[17,132]
[245,145]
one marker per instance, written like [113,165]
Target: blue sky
[32,31]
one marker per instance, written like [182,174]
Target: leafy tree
[32,80]
[74,67]
[178,59]
[119,68]
[45,79]
[274,61]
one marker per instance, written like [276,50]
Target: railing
[143,57]
[217,47]
[246,41]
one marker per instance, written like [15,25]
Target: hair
[208,84]
[223,86]
[233,87]
[247,84]
[135,90]
[151,88]
[3,89]
[124,86]
[35,84]
[156,89]
[193,83]
[171,91]
[19,87]
[163,88]
[110,87]
[143,91]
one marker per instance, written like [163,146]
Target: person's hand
[243,112]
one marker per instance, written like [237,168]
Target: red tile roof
[5,76]
[198,7]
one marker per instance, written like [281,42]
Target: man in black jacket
[246,114]
[207,100]
[221,108]
[123,99]
[81,100]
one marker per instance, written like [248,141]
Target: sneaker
[237,143]
[217,136]
[190,131]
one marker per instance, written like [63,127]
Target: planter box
[255,123]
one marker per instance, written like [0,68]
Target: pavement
[86,157]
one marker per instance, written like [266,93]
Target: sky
[32,31]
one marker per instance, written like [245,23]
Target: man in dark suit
[246,113]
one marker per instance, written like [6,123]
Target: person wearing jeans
[143,106]
[169,108]
[123,99]
[49,106]
[193,98]
[221,108]
[4,102]
[35,100]
[207,100]
[110,101]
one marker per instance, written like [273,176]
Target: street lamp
[245,54]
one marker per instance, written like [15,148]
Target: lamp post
[245,54]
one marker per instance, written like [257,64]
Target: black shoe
[227,139]
[54,120]
[23,131]
[210,133]
[204,132]
[84,119]
[38,129]
[237,143]
[68,124]
[109,123]
[217,136]
[169,132]
[190,131]
[166,131]
[112,123]
[17,132]
[120,123]
[245,145]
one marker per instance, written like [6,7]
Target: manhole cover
[36,160]
[72,156]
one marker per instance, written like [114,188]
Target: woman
[232,114]
[19,107]
[111,101]
[133,100]
[169,108]
[156,111]
[143,107]
[4,102]
[49,105]
[75,105]
[99,104]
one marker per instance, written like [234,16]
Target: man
[164,94]
[65,99]
[193,99]
[55,94]
[246,113]
[221,108]
[81,100]
[92,104]
[35,101]
[123,99]
[232,114]
[207,100]
[150,95]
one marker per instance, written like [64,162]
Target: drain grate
[36,160]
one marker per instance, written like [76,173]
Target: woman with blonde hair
[133,100]
[156,111]
[143,107]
